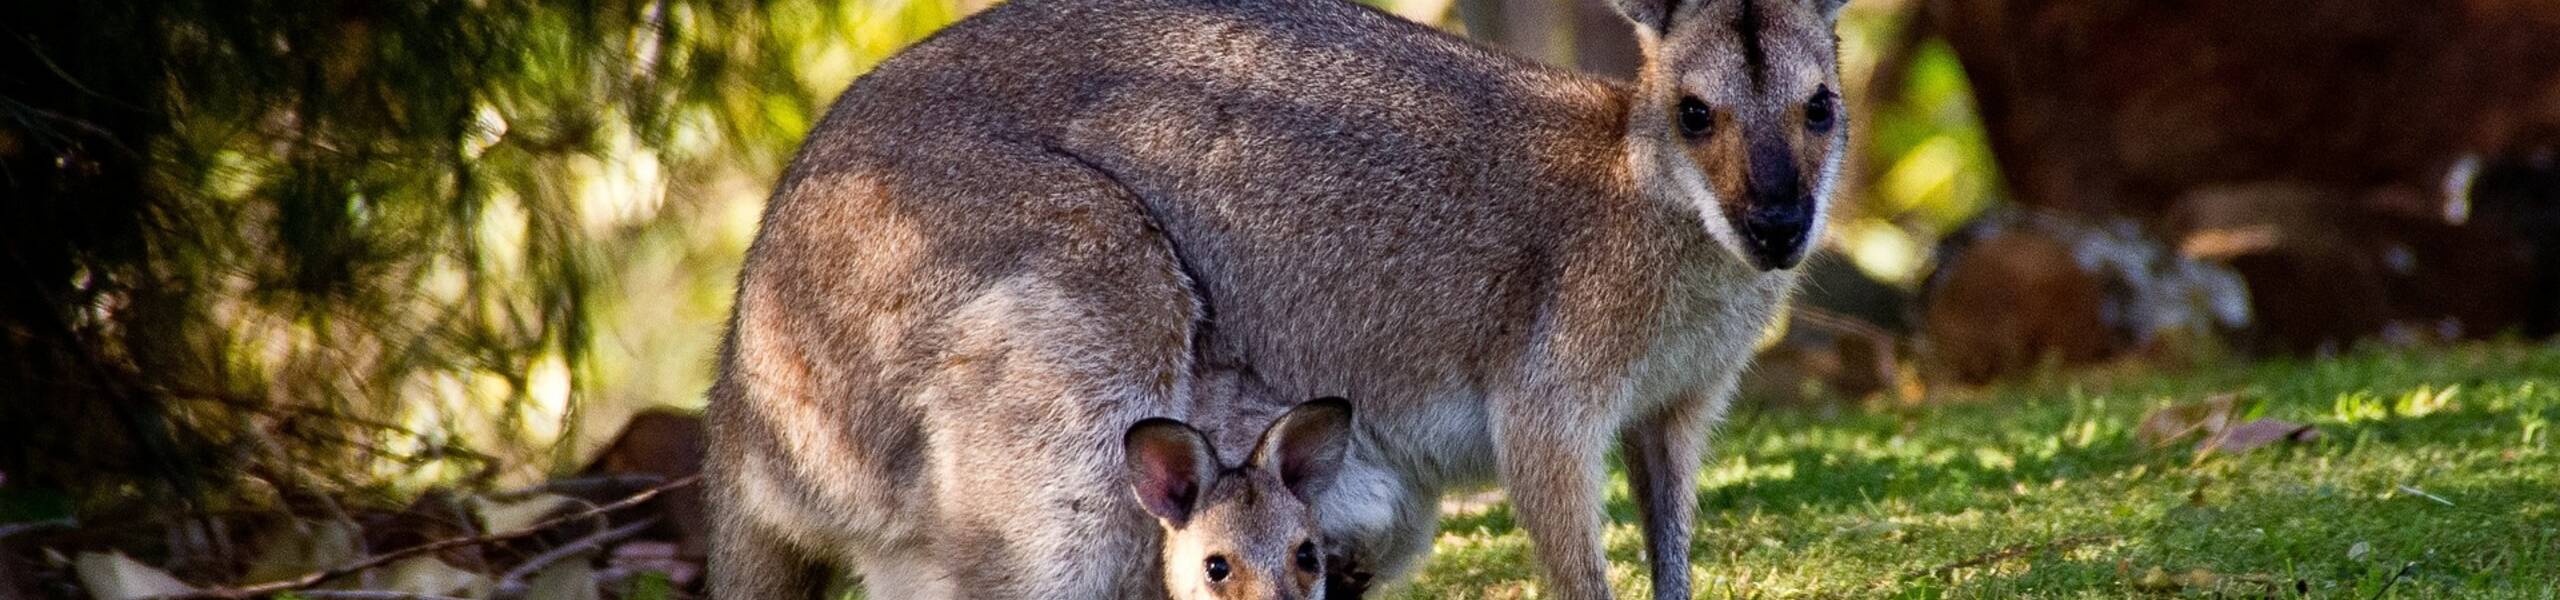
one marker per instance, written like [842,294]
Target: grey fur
[1008,244]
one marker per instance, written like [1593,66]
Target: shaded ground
[2435,477]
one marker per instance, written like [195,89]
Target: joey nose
[1776,234]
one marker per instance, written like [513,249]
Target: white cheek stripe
[1646,159]
[1710,209]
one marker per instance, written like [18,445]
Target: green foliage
[2431,457]
[326,244]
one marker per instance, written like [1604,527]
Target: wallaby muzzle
[1778,223]
[1775,235]
[1779,217]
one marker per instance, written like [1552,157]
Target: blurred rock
[657,445]
[2328,266]
[2519,192]
[2017,290]
[2102,107]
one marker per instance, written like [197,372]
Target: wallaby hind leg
[751,565]
[1085,332]
[1036,505]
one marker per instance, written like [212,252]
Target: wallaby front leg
[1663,452]
[1551,451]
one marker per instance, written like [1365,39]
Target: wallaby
[1228,530]
[1240,531]
[1044,213]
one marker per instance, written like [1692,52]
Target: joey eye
[1307,557]
[1218,568]
[1820,112]
[1695,117]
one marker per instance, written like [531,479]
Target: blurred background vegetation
[353,244]
[260,252]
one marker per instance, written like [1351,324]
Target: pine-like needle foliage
[265,238]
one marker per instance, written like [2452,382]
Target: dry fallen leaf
[428,576]
[501,515]
[114,576]
[568,580]
[661,557]
[2173,423]
[2211,420]
[302,546]
[2156,580]
[2251,435]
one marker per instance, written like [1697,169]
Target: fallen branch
[316,578]
[581,485]
[369,595]
[17,528]
[2011,552]
[513,585]
[2404,572]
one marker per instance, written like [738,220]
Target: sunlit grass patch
[2434,476]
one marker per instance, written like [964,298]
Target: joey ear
[1170,465]
[1305,447]
[1651,15]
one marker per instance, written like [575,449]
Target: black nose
[1774,227]
[1775,233]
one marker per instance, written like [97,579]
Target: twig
[369,595]
[2395,579]
[12,529]
[312,579]
[2009,553]
[2405,489]
[512,585]
[583,484]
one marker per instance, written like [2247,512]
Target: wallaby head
[1244,531]
[1737,113]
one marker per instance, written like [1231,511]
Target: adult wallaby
[1047,211]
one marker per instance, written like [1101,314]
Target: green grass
[1865,504]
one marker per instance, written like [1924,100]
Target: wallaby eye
[1307,557]
[1695,118]
[1218,568]
[1819,112]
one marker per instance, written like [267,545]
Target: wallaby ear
[1651,15]
[1306,445]
[1170,466]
